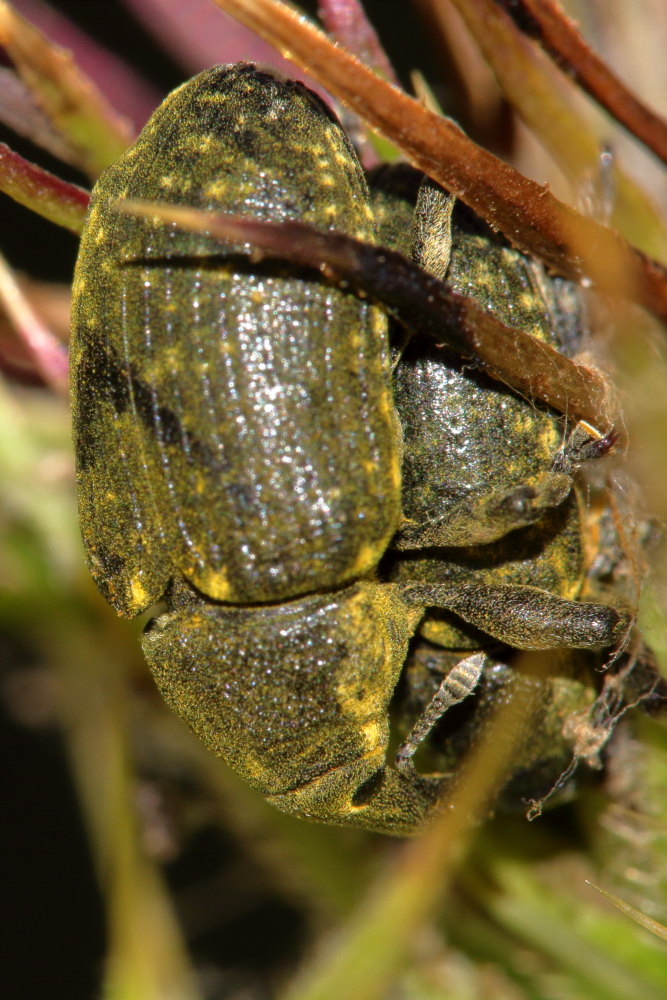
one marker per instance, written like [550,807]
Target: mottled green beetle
[238,454]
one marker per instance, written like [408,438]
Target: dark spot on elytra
[110,562]
[245,139]
[103,378]
[243,494]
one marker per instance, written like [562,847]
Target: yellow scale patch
[216,188]
[215,584]
[367,556]
[373,735]
[140,597]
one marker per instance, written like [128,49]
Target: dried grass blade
[544,99]
[346,21]
[510,355]
[48,354]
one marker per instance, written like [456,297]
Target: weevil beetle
[238,451]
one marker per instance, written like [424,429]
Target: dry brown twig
[526,212]
[559,36]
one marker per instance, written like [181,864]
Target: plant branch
[42,192]
[419,301]
[558,35]
[526,212]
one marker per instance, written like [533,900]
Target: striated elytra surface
[216,402]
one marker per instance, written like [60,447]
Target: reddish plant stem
[558,35]
[42,192]
[526,212]
[416,299]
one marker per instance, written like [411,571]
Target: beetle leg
[460,682]
[584,444]
[527,617]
